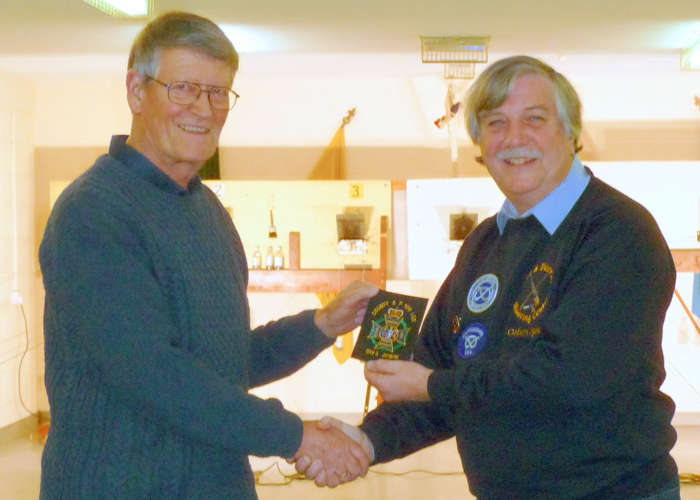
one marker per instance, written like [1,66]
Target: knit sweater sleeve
[108,328]
[602,336]
[281,347]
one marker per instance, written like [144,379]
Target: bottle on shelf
[269,259]
[257,258]
[279,258]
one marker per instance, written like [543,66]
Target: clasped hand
[332,452]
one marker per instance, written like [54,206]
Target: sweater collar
[138,163]
[554,208]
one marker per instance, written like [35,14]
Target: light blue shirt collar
[552,210]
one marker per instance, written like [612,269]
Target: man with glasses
[149,352]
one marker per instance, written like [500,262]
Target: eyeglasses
[189,92]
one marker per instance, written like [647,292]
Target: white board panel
[670,191]
[430,202]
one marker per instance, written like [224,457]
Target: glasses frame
[199,86]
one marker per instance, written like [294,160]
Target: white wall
[290,100]
[17,259]
[300,100]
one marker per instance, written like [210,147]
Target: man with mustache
[542,350]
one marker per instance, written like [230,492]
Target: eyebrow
[484,113]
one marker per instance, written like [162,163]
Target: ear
[480,159]
[135,90]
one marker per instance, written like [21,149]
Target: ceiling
[35,31]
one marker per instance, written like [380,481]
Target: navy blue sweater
[553,392]
[149,352]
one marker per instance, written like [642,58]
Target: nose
[515,134]
[202,105]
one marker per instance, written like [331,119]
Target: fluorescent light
[253,39]
[124,8]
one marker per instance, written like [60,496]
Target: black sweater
[559,398]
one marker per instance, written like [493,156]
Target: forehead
[184,64]
[529,92]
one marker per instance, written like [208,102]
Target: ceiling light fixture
[460,71]
[690,57]
[454,49]
[459,54]
[132,9]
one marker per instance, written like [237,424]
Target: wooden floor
[20,473]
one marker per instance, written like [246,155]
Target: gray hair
[493,87]
[180,30]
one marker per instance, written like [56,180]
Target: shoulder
[99,201]
[602,200]
[485,232]
[615,224]
[605,210]
[103,187]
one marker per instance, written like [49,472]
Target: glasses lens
[220,98]
[183,92]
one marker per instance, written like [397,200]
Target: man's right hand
[314,469]
[329,456]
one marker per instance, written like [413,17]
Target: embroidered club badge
[482,293]
[472,340]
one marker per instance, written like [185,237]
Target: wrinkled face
[175,137]
[524,145]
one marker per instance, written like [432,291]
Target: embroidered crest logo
[472,340]
[535,293]
[389,333]
[482,293]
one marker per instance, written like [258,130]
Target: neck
[182,172]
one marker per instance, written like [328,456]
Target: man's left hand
[346,311]
[398,380]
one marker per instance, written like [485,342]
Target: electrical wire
[422,471]
[687,478]
[19,371]
[289,478]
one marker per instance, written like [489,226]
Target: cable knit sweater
[149,352]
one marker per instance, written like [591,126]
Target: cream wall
[300,101]
[17,259]
[293,101]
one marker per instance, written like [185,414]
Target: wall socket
[16,298]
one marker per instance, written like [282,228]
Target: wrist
[321,324]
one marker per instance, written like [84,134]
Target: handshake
[332,452]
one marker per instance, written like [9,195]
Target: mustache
[519,152]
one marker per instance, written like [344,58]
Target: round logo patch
[472,340]
[482,293]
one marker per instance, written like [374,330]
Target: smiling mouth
[519,161]
[192,128]
[518,156]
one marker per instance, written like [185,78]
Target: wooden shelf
[686,260]
[312,280]
[296,280]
